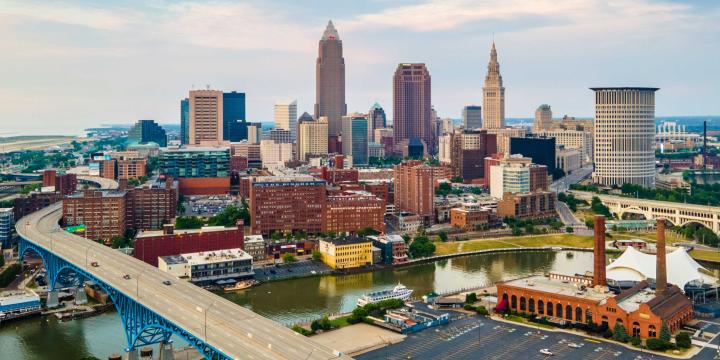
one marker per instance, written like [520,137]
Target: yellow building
[347,252]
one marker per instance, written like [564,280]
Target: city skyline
[102,54]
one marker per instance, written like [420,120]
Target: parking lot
[484,338]
[286,271]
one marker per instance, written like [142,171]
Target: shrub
[481,310]
[469,307]
[470,298]
[655,344]
[619,333]
[635,341]
[301,330]
[607,334]
[683,340]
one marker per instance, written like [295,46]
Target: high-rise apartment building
[330,82]
[206,117]
[376,120]
[355,138]
[185,121]
[146,131]
[312,138]
[472,117]
[412,110]
[493,95]
[543,118]
[6,227]
[233,117]
[415,187]
[624,136]
[286,117]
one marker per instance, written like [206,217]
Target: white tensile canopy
[634,265]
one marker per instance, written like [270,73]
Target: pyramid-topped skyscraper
[330,84]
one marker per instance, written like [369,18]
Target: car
[546,352]
[94,264]
[167,282]
[574,345]
[126,277]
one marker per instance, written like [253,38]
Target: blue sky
[69,65]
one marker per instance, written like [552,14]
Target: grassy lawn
[340,322]
[670,237]
[706,255]
[522,320]
[513,242]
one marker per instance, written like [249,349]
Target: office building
[149,245]
[206,117]
[233,116]
[414,187]
[248,150]
[502,137]
[209,268]
[286,204]
[472,117]
[568,160]
[572,139]
[412,111]
[624,136]
[286,117]
[146,131]
[533,205]
[199,170]
[346,252]
[393,247]
[275,154]
[64,184]
[516,174]
[254,131]
[493,107]
[312,138]
[355,138]
[152,204]
[540,150]
[279,135]
[352,211]
[185,121]
[7,225]
[330,82]
[470,216]
[129,168]
[102,213]
[468,149]
[543,118]
[376,120]
[27,204]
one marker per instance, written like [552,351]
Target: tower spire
[330,32]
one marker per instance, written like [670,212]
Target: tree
[664,333]
[289,258]
[635,341]
[406,237]
[444,189]
[569,230]
[443,236]
[421,247]
[189,222]
[315,325]
[599,208]
[470,298]
[619,333]
[589,223]
[119,242]
[516,231]
[275,236]
[316,255]
[456,179]
[229,216]
[367,231]
[683,340]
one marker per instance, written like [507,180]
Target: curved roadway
[232,329]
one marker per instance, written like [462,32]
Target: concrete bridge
[677,214]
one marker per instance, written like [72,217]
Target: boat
[398,292]
[240,285]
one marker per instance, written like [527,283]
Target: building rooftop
[254,239]
[197,149]
[176,232]
[387,238]
[208,257]
[347,240]
[105,193]
[625,88]
[173,259]
[289,178]
[557,286]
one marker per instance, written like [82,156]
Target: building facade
[468,148]
[286,204]
[102,213]
[624,136]
[493,95]
[195,162]
[543,118]
[540,150]
[352,211]
[185,121]
[206,117]
[376,120]
[7,225]
[233,116]
[285,114]
[330,81]
[414,187]
[472,117]
[572,139]
[145,131]
[534,205]
[346,253]
[355,138]
[412,106]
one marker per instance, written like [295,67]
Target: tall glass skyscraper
[355,138]
[146,131]
[185,121]
[234,125]
[412,111]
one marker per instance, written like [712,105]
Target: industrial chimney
[661,266]
[599,252]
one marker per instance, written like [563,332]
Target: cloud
[87,16]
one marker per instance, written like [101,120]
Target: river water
[290,301]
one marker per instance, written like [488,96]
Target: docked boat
[240,285]
[398,292]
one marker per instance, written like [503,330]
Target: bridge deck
[234,330]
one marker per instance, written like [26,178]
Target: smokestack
[661,266]
[599,252]
[339,161]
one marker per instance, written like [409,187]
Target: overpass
[678,214]
[151,311]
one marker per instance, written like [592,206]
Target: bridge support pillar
[166,351]
[80,296]
[52,299]
[131,355]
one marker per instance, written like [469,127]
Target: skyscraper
[624,136]
[286,117]
[493,95]
[355,138]
[206,117]
[330,82]
[472,117]
[185,121]
[376,120]
[234,125]
[145,131]
[543,118]
[312,138]
[412,110]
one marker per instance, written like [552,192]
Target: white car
[574,345]
[546,352]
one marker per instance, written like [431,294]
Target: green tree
[599,208]
[367,232]
[316,255]
[229,216]
[516,231]
[189,222]
[443,236]
[569,230]
[421,247]
[289,258]
[406,237]
[444,189]
[619,333]
[683,340]
[315,325]
[470,298]
[456,179]
[664,333]
[118,242]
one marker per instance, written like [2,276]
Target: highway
[563,184]
[232,329]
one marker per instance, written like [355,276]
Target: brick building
[152,204]
[33,202]
[102,213]
[415,187]
[468,150]
[350,211]
[535,205]
[470,216]
[286,204]
[128,168]
[151,244]
[578,299]
[64,184]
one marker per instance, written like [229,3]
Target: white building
[255,246]
[568,160]
[312,138]
[509,178]
[572,139]
[6,227]
[275,154]
[286,116]
[210,266]
[445,149]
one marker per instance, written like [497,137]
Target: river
[290,301]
